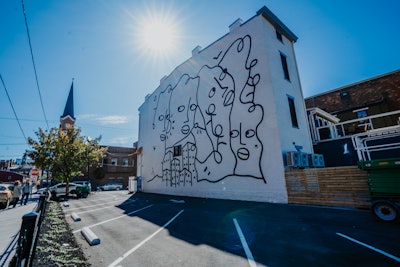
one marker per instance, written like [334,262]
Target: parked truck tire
[385,210]
[74,192]
[54,195]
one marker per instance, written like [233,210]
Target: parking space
[158,230]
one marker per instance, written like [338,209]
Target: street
[158,230]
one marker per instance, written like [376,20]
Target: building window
[125,162]
[344,95]
[293,114]
[361,113]
[114,161]
[105,161]
[285,67]
[279,36]
[177,150]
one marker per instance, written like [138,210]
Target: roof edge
[272,18]
[353,84]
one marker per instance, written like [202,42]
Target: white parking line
[370,247]
[106,207]
[116,218]
[84,207]
[246,248]
[91,210]
[126,254]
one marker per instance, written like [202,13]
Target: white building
[220,124]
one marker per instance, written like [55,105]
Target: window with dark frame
[362,114]
[279,36]
[285,67]
[177,151]
[125,162]
[293,114]
[344,95]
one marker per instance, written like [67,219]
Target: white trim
[360,109]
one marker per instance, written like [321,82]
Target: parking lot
[157,230]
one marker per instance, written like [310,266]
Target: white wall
[282,88]
[222,107]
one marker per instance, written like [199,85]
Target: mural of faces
[214,119]
[245,144]
[182,107]
[162,118]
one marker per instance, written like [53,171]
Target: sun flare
[158,34]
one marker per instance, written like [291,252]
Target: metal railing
[348,128]
[363,142]
[29,233]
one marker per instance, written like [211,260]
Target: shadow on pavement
[283,229]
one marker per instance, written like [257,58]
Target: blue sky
[102,45]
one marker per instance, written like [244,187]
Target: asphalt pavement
[10,224]
[159,230]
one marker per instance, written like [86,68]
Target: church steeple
[67,119]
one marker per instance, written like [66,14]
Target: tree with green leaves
[64,153]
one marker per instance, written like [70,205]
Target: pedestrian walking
[17,192]
[26,190]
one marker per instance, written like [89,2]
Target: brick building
[10,177]
[365,98]
[353,109]
[118,164]
[5,164]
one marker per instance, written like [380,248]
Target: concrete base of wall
[337,186]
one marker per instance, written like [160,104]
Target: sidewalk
[10,221]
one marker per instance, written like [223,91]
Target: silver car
[110,186]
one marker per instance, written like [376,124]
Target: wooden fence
[337,186]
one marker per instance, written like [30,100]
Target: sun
[158,34]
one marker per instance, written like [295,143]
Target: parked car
[6,194]
[47,183]
[84,183]
[60,190]
[110,186]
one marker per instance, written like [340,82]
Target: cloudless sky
[105,47]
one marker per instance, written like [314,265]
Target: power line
[21,119]
[12,106]
[34,65]
[16,144]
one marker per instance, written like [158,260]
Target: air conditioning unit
[316,160]
[304,159]
[293,159]
[321,161]
[313,160]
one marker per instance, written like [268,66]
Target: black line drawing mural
[208,124]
